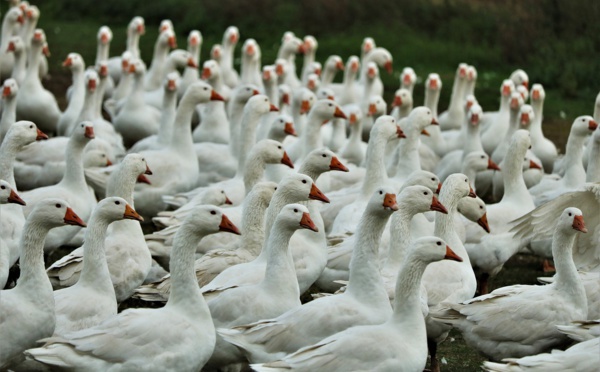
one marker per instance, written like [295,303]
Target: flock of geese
[272,181]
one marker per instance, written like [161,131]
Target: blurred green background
[557,42]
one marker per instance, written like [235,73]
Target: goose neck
[280,273]
[8,153]
[122,183]
[567,277]
[249,123]
[253,224]
[9,117]
[169,107]
[432,98]
[280,199]
[310,169]
[376,173]
[74,175]
[89,105]
[101,53]
[78,93]
[408,150]
[536,125]
[472,139]
[356,133]
[574,150]
[593,169]
[458,94]
[34,61]
[514,184]
[445,223]
[407,299]
[253,171]
[33,273]
[400,236]
[133,41]
[97,111]
[95,268]
[181,139]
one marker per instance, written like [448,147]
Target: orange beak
[304,107]
[41,136]
[524,118]
[425,132]
[191,63]
[214,96]
[339,113]
[336,164]
[474,119]
[472,193]
[406,79]
[534,165]
[483,222]
[71,218]
[266,75]
[492,165]
[131,68]
[354,66]
[301,49]
[372,109]
[148,171]
[434,121]
[506,91]
[279,70]
[450,255]
[285,99]
[316,194]
[228,201]
[255,92]
[525,84]
[172,42]
[205,73]
[108,163]
[352,119]
[15,198]
[143,179]
[104,38]
[131,214]
[388,67]
[273,108]
[433,84]
[250,50]
[289,129]
[141,29]
[6,92]
[399,132]
[46,51]
[286,160]
[397,101]
[592,125]
[228,226]
[439,188]
[436,205]
[535,95]
[89,132]
[92,85]
[11,47]
[171,85]
[339,65]
[389,201]
[307,223]
[233,38]
[579,224]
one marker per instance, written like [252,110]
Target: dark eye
[117,202]
[330,105]
[222,192]
[213,212]
[31,126]
[439,243]
[58,205]
[481,207]
[466,180]
[433,179]
[275,188]
[324,155]
[380,192]
[279,147]
[483,156]
[3,187]
[82,125]
[570,214]
[303,181]
[425,193]
[295,210]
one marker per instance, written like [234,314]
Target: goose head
[471,73]
[207,219]
[377,106]
[201,92]
[10,88]
[383,201]
[354,114]
[570,221]
[95,158]
[136,26]
[433,82]
[24,132]
[134,166]
[39,37]
[470,100]
[383,58]
[74,62]
[431,249]
[295,217]
[324,160]
[105,35]
[479,161]
[13,17]
[300,187]
[530,163]
[31,14]
[215,196]
[507,88]
[243,93]
[474,209]
[281,68]
[461,71]
[231,36]
[420,118]
[456,187]
[326,93]
[83,133]
[259,104]
[523,92]
[216,52]
[126,59]
[8,194]
[538,94]
[269,75]
[181,59]
[284,95]
[15,45]
[137,67]
[583,126]
[520,77]
[516,101]
[423,178]
[408,78]
[251,50]
[115,209]
[526,116]
[290,46]
[165,25]
[402,99]
[304,99]
[334,63]
[263,191]
[171,82]
[272,152]
[367,45]
[194,40]
[91,80]
[387,128]
[167,39]
[102,69]
[421,199]
[519,143]
[53,212]
[326,109]
[313,82]
[282,126]
[310,44]
[372,71]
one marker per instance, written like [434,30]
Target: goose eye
[466,180]
[275,188]
[303,181]
[103,155]
[425,193]
[31,126]
[570,214]
[58,205]
[380,192]
[439,243]
[295,210]
[330,105]
[82,125]
[3,187]
[213,212]
[324,155]
[117,202]
[433,179]
[483,156]
[279,147]
[481,207]
[222,192]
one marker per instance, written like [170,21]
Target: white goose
[178,59]
[542,147]
[166,40]
[17,47]
[215,124]
[230,39]
[68,118]
[333,64]
[139,338]
[28,308]
[383,58]
[496,124]
[278,288]
[72,188]
[520,320]
[7,195]
[405,348]
[365,301]
[135,29]
[18,136]
[10,24]
[10,89]
[126,252]
[104,37]
[190,74]
[251,64]
[408,79]
[454,116]
[92,299]
[516,120]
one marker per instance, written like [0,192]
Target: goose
[135,29]
[383,58]
[217,260]
[127,255]
[471,81]
[593,165]
[302,101]
[92,299]
[293,188]
[230,39]
[7,195]
[520,77]
[215,124]
[68,118]
[177,59]
[269,80]
[235,112]
[346,91]
[473,210]
[251,64]
[290,45]
[542,147]
[123,88]
[354,150]
[17,47]
[489,252]
[136,119]
[333,64]
[28,308]
[18,136]
[72,187]
[365,301]
[404,331]
[278,288]
[579,357]
[12,19]
[557,303]
[516,120]
[183,328]
[31,15]
[281,127]
[496,124]
[104,37]
[190,74]
[166,40]
[402,104]
[167,118]
[36,103]
[310,47]
[435,140]
[175,167]
[446,281]
[408,78]
[10,88]
[454,116]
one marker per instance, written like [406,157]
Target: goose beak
[434,121]
[108,163]
[534,165]
[228,201]
[92,85]
[372,110]
[425,132]
[592,125]
[492,165]
[304,107]
[524,119]
[228,226]
[15,198]
[472,193]
[172,42]
[131,68]
[89,132]
[68,62]
[143,179]
[397,101]
[437,206]
[483,222]
[316,194]
[191,63]
[214,96]
[339,65]
[71,218]
[41,136]
[286,160]
[255,92]
[450,255]
[336,164]
[171,85]
[289,129]
[273,108]
[388,67]
[148,171]
[205,73]
[389,201]
[339,113]
[307,223]
[352,119]
[131,214]
[579,225]
[439,188]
